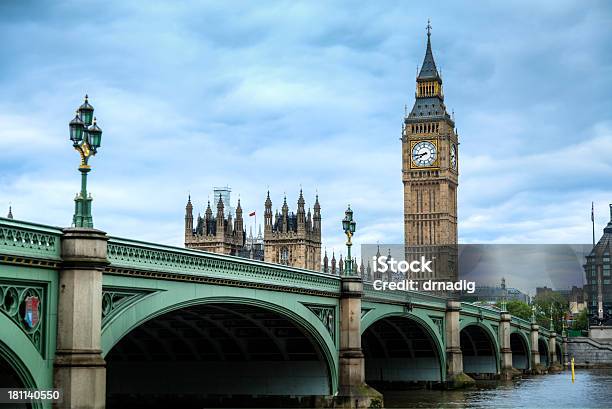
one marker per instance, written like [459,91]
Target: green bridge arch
[525,338]
[171,296]
[491,333]
[17,350]
[373,313]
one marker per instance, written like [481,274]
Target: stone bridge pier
[536,366]
[507,371]
[353,392]
[455,378]
[79,369]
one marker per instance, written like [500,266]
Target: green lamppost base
[82,204]
[82,212]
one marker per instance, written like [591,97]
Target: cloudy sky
[192,95]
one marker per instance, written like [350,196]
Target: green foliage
[581,320]
[518,309]
[543,304]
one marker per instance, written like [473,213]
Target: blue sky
[192,95]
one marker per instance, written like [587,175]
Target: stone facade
[293,239]
[217,234]
[430,175]
[598,270]
[590,352]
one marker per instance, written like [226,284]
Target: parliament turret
[293,238]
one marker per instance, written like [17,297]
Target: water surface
[592,389]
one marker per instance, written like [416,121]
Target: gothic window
[284,256]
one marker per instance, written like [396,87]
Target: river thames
[592,389]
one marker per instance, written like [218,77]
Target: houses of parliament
[290,238]
[430,172]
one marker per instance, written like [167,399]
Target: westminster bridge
[115,322]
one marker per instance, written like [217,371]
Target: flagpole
[593,220]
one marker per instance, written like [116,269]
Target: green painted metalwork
[422,316]
[12,303]
[439,322]
[16,346]
[115,300]
[487,326]
[10,355]
[172,295]
[86,140]
[327,315]
[21,239]
[165,262]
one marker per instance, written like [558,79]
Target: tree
[581,320]
[518,309]
[543,304]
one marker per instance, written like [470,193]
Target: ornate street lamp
[86,139]
[348,225]
[552,326]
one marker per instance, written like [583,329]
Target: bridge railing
[167,261]
[520,322]
[480,311]
[24,239]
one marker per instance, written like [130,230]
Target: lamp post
[348,225]
[552,326]
[86,138]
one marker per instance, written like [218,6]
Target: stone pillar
[565,352]
[455,378]
[507,371]
[535,351]
[79,369]
[353,392]
[552,348]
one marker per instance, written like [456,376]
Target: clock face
[453,156]
[424,154]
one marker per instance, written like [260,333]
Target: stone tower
[293,239]
[430,175]
[217,234]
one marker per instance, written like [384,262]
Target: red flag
[251,214]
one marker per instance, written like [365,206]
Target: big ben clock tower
[430,172]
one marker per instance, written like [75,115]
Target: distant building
[253,247]
[542,291]
[577,299]
[598,287]
[293,239]
[224,193]
[289,238]
[494,295]
[215,233]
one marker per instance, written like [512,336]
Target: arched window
[284,256]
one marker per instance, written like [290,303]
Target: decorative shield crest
[31,311]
